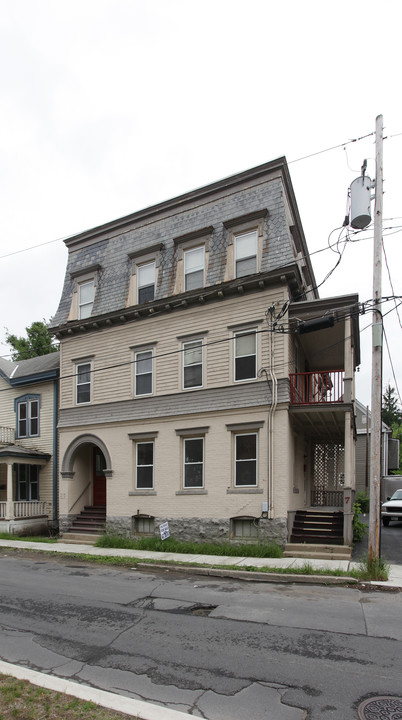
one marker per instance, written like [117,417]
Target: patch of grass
[19,700]
[171,545]
[377,569]
[26,538]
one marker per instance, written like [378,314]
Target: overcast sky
[109,106]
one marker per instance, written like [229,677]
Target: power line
[305,157]
[392,365]
[390,280]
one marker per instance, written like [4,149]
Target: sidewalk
[395,574]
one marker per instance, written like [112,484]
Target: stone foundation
[204,529]
[65,522]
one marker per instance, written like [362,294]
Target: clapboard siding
[111,350]
[248,395]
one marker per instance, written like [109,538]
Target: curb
[120,703]
[253,575]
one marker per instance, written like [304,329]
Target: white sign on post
[164,530]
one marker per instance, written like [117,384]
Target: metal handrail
[80,496]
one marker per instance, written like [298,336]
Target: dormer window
[246,253]
[86,294]
[194,268]
[85,284]
[146,282]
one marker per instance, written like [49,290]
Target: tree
[38,342]
[390,411]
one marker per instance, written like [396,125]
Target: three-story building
[188,393]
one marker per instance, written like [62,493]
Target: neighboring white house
[28,444]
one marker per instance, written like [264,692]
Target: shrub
[363,500]
[359,527]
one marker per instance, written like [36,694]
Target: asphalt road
[217,648]
[390,544]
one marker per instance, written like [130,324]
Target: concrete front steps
[317,552]
[87,527]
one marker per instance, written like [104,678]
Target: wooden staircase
[87,526]
[318,534]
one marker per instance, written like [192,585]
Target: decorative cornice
[253,283]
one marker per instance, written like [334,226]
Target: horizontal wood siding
[111,350]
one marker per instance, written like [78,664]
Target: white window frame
[251,332]
[238,237]
[250,459]
[79,384]
[137,374]
[143,465]
[140,286]
[192,464]
[200,268]
[85,308]
[186,346]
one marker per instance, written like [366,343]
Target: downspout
[271,412]
[55,449]
[274,402]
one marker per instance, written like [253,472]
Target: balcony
[321,387]
[7,436]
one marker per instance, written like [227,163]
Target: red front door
[99,494]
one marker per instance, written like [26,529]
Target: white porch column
[349,469]
[348,395]
[10,500]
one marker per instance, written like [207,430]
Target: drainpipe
[274,401]
[55,449]
[271,413]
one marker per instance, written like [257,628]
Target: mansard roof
[107,251]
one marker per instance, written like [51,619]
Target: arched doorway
[86,465]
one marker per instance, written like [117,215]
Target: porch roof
[324,349]
[321,422]
[23,453]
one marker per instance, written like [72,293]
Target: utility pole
[376,369]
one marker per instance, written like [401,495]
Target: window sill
[142,492]
[192,491]
[249,490]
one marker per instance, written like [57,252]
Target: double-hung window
[143,372]
[193,462]
[146,282]
[246,460]
[245,355]
[194,263]
[192,364]
[86,294]
[27,410]
[144,465]
[83,379]
[27,482]
[246,253]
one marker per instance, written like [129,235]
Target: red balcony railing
[316,388]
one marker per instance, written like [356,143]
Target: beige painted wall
[124,500]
